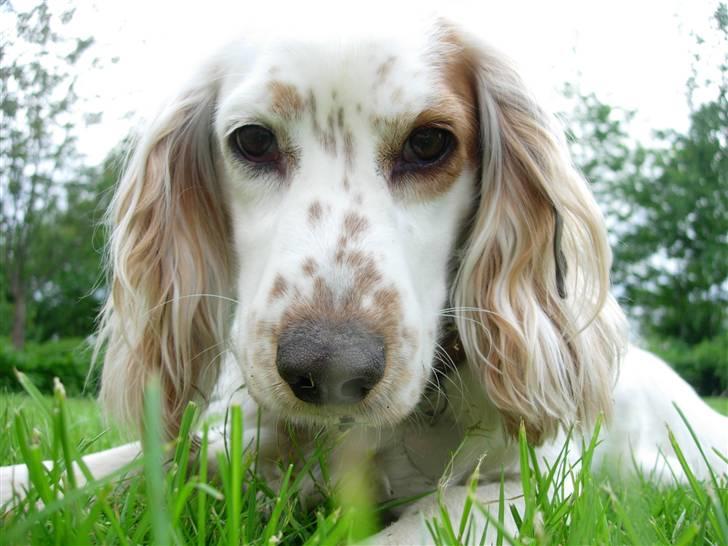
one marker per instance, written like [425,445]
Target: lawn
[179,503]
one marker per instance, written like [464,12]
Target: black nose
[330,362]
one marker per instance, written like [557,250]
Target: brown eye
[255,143]
[426,145]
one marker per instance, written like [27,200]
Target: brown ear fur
[546,341]
[169,261]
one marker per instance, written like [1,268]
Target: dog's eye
[426,145]
[255,143]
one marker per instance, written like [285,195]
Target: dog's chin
[372,411]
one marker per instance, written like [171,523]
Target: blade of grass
[283,496]
[501,507]
[236,479]
[526,527]
[184,442]
[201,496]
[153,464]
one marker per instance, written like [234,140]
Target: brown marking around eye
[279,289]
[453,109]
[315,211]
[285,100]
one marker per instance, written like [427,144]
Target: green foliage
[67,264]
[67,359]
[667,210]
[704,365]
[38,159]
[683,223]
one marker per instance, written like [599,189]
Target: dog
[379,234]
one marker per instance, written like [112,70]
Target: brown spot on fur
[311,103]
[342,242]
[376,122]
[366,275]
[315,211]
[340,118]
[265,329]
[354,225]
[285,100]
[349,148]
[384,69]
[309,266]
[326,137]
[280,287]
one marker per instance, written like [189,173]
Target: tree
[66,266]
[37,148]
[666,206]
[672,257]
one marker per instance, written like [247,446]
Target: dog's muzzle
[327,362]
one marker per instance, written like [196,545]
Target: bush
[704,366]
[68,359]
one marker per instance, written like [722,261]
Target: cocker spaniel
[383,235]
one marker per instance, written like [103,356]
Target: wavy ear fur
[169,264]
[546,338]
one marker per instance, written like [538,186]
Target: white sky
[632,53]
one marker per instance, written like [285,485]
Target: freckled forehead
[383,76]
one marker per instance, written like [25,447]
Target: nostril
[302,382]
[354,390]
[305,388]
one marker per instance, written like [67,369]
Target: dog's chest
[415,457]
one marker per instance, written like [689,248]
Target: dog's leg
[411,528]
[15,481]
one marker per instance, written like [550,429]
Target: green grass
[718,403]
[180,502]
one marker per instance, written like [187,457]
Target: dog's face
[338,192]
[349,170]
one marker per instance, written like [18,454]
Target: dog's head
[314,205]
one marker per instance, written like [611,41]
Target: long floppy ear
[537,317]
[169,261]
